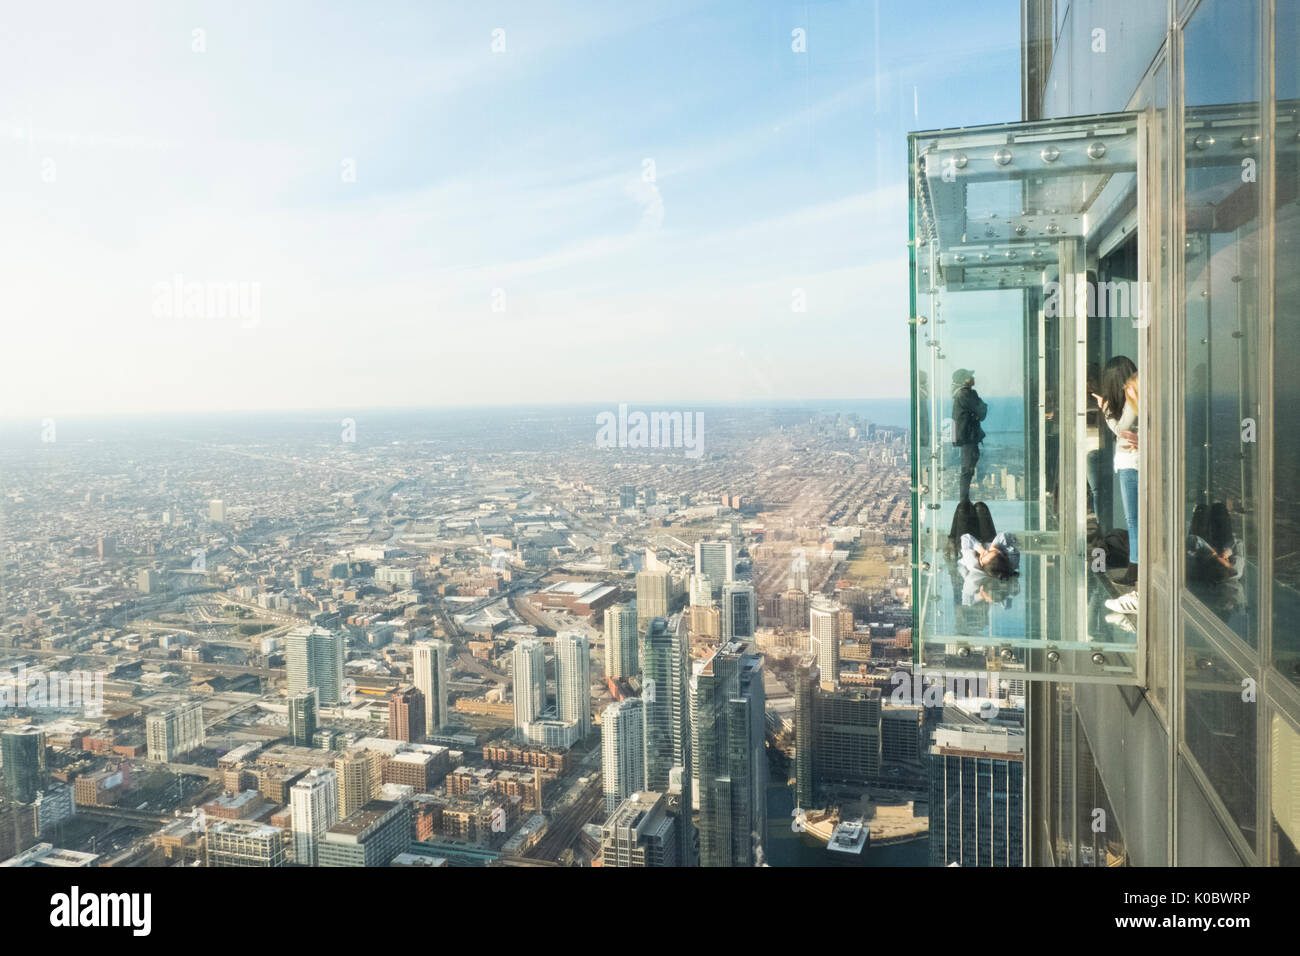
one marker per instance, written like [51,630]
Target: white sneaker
[1126,603]
[1122,622]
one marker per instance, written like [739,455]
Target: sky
[437,203]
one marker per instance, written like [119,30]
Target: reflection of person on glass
[968,410]
[1118,401]
[972,525]
[1214,565]
[983,575]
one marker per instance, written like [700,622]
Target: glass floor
[971,621]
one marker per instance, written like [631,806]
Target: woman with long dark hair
[1118,401]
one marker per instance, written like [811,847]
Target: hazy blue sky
[646,184]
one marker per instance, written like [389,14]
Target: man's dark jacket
[968,410]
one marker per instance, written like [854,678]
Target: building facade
[639,833]
[730,705]
[622,740]
[314,658]
[429,666]
[314,808]
[573,680]
[621,657]
[1171,128]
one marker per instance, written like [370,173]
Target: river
[787,848]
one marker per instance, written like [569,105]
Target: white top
[1126,453]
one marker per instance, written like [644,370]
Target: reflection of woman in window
[1118,401]
[1214,565]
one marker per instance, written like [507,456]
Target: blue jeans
[1101,479]
[1128,490]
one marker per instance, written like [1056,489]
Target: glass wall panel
[1222,276]
[1219,725]
[1012,227]
[1286,343]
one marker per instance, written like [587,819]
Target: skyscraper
[739,611]
[653,596]
[807,681]
[529,681]
[666,657]
[314,808]
[716,560]
[640,832]
[406,715]
[733,763]
[627,497]
[977,793]
[23,750]
[429,664]
[621,655]
[304,709]
[573,680]
[847,735]
[824,641]
[217,511]
[622,729]
[314,657]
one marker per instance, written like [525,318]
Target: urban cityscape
[697,434]
[328,647]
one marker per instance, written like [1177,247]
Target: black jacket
[968,410]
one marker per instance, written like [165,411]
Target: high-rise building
[627,497]
[406,715]
[370,837]
[730,706]
[429,664]
[24,765]
[807,681]
[621,654]
[360,775]
[622,733]
[314,658]
[1175,253]
[665,656]
[573,680]
[314,808]
[794,609]
[244,843]
[716,560]
[653,597]
[304,710]
[640,832]
[824,641]
[739,611]
[174,732]
[705,623]
[529,680]
[847,735]
[977,793]
[217,511]
[701,590]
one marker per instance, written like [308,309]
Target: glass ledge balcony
[1014,230]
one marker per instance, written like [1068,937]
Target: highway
[141,819]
